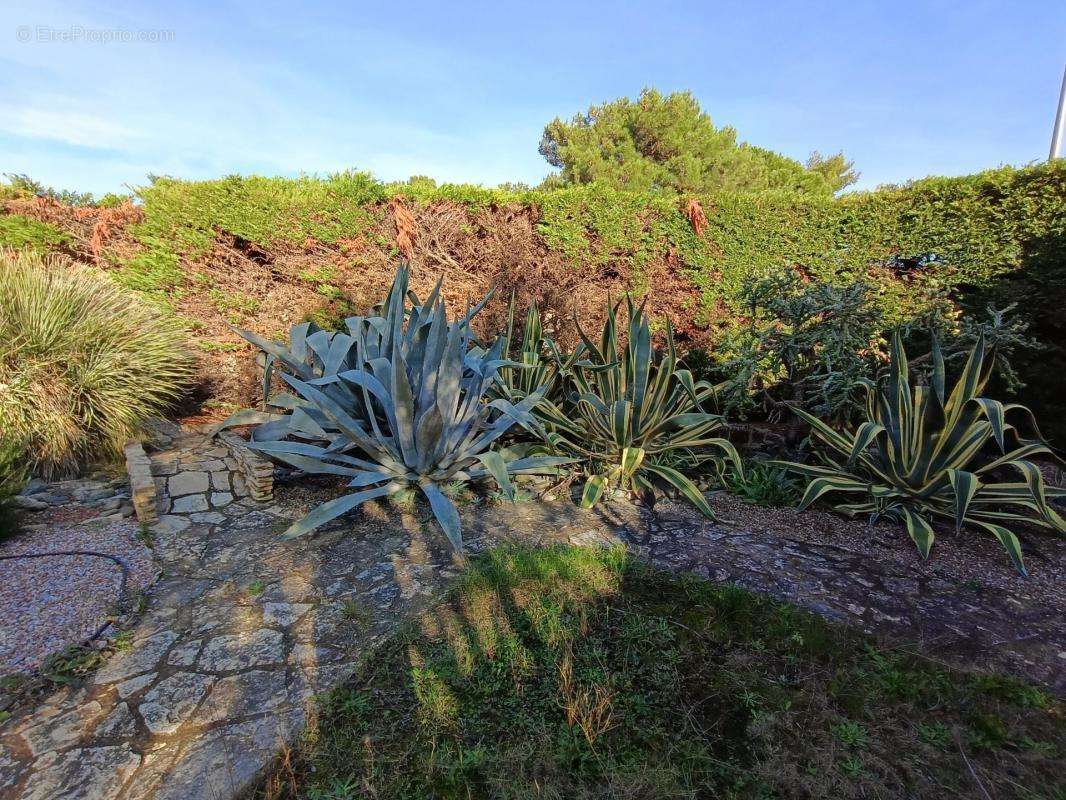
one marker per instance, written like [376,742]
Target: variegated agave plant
[630,413]
[542,363]
[398,401]
[923,455]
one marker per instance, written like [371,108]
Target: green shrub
[82,363]
[810,343]
[20,232]
[921,455]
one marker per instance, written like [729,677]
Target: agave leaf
[334,508]
[495,465]
[965,486]
[918,529]
[631,460]
[595,487]
[247,416]
[1009,541]
[687,488]
[836,483]
[446,513]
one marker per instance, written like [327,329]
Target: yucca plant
[400,403]
[924,454]
[630,412]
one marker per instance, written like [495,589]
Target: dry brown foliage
[694,212]
[473,249]
[405,227]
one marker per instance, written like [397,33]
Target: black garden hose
[122,581]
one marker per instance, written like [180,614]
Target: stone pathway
[241,631]
[244,628]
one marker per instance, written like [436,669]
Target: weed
[219,347]
[70,664]
[225,302]
[936,734]
[763,485]
[122,641]
[255,588]
[144,535]
[851,734]
[353,611]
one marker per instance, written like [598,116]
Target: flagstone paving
[244,628]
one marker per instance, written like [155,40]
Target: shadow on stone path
[244,628]
[241,631]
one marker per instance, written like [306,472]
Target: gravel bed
[966,557]
[48,604]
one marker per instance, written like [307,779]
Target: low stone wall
[258,473]
[142,486]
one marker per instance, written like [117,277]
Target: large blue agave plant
[398,401]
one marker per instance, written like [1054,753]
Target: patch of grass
[233,301]
[154,271]
[209,346]
[255,588]
[12,479]
[19,232]
[577,673]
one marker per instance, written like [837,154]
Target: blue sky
[461,91]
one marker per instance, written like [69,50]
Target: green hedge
[982,226]
[998,234]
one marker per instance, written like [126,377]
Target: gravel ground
[48,604]
[966,557]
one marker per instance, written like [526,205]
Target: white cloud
[69,127]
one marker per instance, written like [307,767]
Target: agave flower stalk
[923,454]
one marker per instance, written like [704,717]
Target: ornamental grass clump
[83,363]
[924,455]
[396,403]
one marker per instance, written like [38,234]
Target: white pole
[1060,122]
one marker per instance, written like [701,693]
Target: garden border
[258,473]
[142,485]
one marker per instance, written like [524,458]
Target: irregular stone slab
[244,695]
[170,703]
[221,499]
[226,761]
[240,651]
[187,483]
[91,772]
[134,685]
[282,615]
[207,517]
[184,654]
[119,724]
[143,656]
[188,504]
[171,524]
[64,730]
